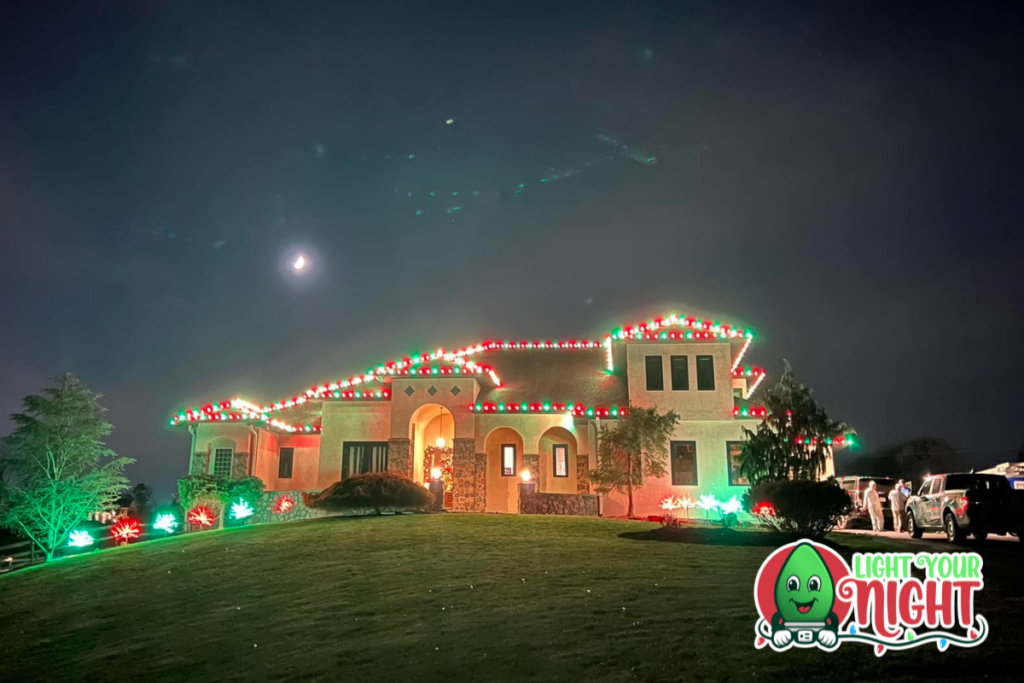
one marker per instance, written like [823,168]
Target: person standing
[874,506]
[898,502]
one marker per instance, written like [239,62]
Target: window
[222,458]
[680,373]
[359,457]
[508,460]
[926,488]
[284,463]
[560,457]
[684,463]
[705,373]
[655,376]
[734,449]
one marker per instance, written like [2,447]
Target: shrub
[806,508]
[377,490]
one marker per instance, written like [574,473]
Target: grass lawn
[445,598]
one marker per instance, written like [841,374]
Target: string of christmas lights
[577,409]
[755,411]
[698,330]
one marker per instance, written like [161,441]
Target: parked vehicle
[855,485]
[960,504]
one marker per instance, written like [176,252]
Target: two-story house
[487,414]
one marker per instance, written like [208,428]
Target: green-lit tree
[57,469]
[635,447]
[795,440]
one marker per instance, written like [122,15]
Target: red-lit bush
[804,508]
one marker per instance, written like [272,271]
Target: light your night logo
[808,596]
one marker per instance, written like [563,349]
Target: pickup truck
[960,504]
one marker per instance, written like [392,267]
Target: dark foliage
[805,508]
[377,490]
[794,441]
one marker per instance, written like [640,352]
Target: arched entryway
[431,434]
[504,448]
[557,449]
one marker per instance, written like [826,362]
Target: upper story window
[705,373]
[684,463]
[360,457]
[560,457]
[655,375]
[680,367]
[508,460]
[285,462]
[222,458]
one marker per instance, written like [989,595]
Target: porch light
[435,473]
[526,476]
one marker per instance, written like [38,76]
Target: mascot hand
[782,637]
[827,638]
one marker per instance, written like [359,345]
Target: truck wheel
[980,535]
[912,528]
[953,531]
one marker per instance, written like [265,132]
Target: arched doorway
[557,449]
[504,448]
[431,434]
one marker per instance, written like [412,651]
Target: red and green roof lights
[577,409]
[841,440]
[754,411]
[655,329]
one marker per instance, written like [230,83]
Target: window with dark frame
[284,463]
[222,458]
[560,458]
[734,450]
[680,368]
[684,463]
[508,460]
[655,375]
[705,373]
[360,457]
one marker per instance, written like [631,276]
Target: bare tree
[636,446]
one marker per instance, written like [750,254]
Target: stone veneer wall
[583,474]
[559,504]
[469,474]
[240,465]
[200,463]
[400,456]
[265,509]
[532,463]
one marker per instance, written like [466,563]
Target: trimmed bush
[804,508]
[377,490]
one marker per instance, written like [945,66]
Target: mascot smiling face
[804,596]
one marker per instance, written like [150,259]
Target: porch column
[469,475]
[583,473]
[400,457]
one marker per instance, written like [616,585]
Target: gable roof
[577,376]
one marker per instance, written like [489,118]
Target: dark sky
[845,180]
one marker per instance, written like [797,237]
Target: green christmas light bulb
[804,597]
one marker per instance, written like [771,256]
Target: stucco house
[488,413]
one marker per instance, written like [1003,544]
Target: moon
[300,262]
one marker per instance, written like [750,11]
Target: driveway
[927,538]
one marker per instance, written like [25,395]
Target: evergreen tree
[57,468]
[635,447]
[795,440]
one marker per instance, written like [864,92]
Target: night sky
[846,181]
